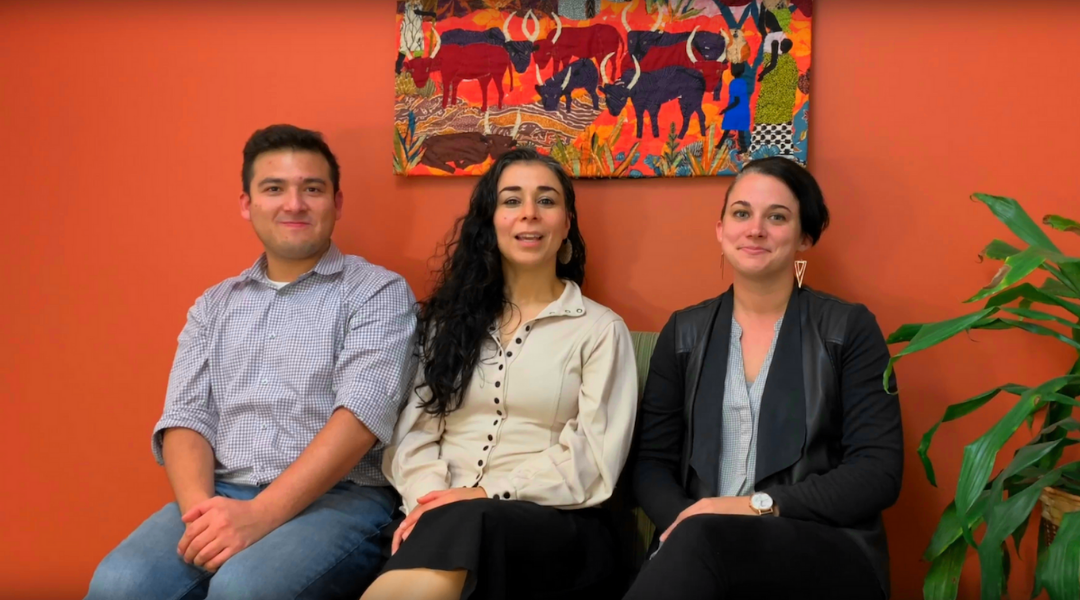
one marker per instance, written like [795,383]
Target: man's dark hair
[286,137]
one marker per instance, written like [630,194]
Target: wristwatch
[762,504]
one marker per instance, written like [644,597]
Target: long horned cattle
[567,44]
[650,90]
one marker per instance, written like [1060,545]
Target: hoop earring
[566,252]
[800,270]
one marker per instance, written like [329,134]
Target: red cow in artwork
[483,62]
[568,44]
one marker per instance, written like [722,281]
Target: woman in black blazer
[768,447]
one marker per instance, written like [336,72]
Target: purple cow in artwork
[580,74]
[650,91]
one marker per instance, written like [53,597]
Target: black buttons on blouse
[479,463]
[528,328]
[506,495]
[490,438]
[518,340]
[498,383]
[496,401]
[486,447]
[500,367]
[509,353]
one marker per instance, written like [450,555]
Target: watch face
[761,501]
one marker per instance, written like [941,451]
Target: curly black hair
[469,294]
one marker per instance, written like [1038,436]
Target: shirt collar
[333,261]
[570,304]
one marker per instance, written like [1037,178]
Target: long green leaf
[1009,212]
[943,580]
[1001,521]
[1017,267]
[1041,330]
[979,456]
[1062,224]
[934,333]
[949,528]
[1040,564]
[1040,316]
[953,412]
[904,333]
[1056,288]
[1031,293]
[998,250]
[1061,572]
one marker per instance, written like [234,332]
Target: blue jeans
[330,550]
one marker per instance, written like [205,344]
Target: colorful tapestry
[637,88]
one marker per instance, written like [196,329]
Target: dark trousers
[727,557]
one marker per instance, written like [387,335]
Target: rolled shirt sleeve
[377,363]
[188,399]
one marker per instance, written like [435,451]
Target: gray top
[742,403]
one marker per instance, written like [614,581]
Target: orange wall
[122,127]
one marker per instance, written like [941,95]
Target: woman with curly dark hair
[523,409]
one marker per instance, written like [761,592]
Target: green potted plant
[1004,502]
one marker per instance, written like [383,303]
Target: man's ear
[245,206]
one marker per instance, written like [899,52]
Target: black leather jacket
[831,443]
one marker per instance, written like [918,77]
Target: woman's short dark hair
[469,295]
[813,214]
[286,137]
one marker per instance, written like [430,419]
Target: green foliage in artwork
[408,147]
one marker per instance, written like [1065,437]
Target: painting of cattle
[610,88]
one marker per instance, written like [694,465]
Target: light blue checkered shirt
[742,406]
[259,370]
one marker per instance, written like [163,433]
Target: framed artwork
[637,88]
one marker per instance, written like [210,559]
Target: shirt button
[498,412]
[498,383]
[518,340]
[528,328]
[506,495]
[509,353]
[486,447]
[273,335]
[479,463]
[495,496]
[496,422]
[496,401]
[500,367]
[264,382]
[489,436]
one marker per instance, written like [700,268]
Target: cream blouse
[547,419]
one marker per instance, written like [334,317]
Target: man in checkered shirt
[285,388]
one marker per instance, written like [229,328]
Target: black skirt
[517,550]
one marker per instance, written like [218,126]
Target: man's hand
[429,501]
[219,528]
[728,505]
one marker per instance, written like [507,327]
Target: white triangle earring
[800,271]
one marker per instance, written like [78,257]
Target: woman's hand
[728,505]
[429,501]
